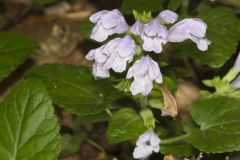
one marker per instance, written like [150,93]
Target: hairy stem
[109,112]
[95,144]
[143,102]
[190,67]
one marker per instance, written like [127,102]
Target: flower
[190,28]
[167,16]
[146,144]
[236,83]
[144,72]
[100,58]
[100,71]
[115,54]
[107,23]
[137,28]
[154,35]
[121,51]
[236,66]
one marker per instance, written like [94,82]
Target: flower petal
[148,44]
[94,18]
[236,82]
[111,19]
[137,28]
[99,34]
[119,65]
[100,71]
[142,152]
[167,16]
[185,28]
[236,66]
[126,47]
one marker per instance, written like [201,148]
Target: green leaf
[188,125]
[184,149]
[223,32]
[14,50]
[144,17]
[222,86]
[128,6]
[124,86]
[125,124]
[219,123]
[74,88]
[148,118]
[44,1]
[86,28]
[170,84]
[29,128]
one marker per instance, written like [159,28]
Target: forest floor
[56,28]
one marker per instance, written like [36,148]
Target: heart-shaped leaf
[28,126]
[219,123]
[74,88]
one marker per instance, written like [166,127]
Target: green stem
[189,66]
[231,75]
[143,101]
[174,139]
[95,144]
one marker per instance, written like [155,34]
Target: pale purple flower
[107,23]
[144,72]
[113,55]
[154,35]
[190,28]
[167,16]
[236,66]
[100,58]
[121,51]
[146,144]
[100,71]
[97,54]
[236,83]
[137,28]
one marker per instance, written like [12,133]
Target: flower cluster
[113,55]
[118,52]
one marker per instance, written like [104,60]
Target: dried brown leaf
[169,103]
[169,157]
